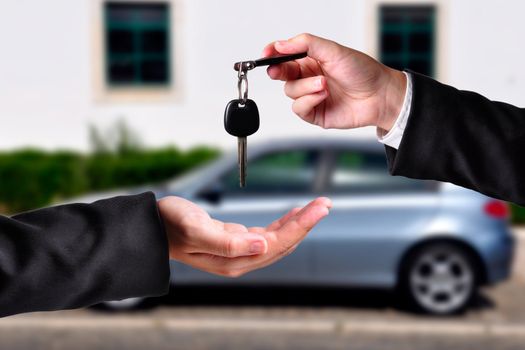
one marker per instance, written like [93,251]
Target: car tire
[439,279]
[124,304]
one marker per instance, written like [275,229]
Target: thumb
[320,49]
[232,245]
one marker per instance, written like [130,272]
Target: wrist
[163,210]
[393,98]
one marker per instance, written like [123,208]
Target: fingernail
[327,201]
[281,43]
[257,247]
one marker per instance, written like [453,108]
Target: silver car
[435,243]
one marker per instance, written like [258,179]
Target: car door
[277,182]
[373,219]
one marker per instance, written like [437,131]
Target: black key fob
[241,120]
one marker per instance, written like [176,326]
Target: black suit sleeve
[463,138]
[76,255]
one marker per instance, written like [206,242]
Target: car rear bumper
[499,257]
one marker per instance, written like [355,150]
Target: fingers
[279,222]
[297,226]
[297,88]
[285,71]
[293,227]
[231,249]
[231,245]
[269,50]
[320,49]
[289,231]
[304,106]
[308,93]
[191,230]
[219,265]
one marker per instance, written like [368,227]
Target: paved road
[189,340]
[280,319]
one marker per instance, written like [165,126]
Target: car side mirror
[212,194]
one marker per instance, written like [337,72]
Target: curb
[444,328]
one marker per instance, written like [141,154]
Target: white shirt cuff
[394,136]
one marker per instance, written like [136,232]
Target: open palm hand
[232,249]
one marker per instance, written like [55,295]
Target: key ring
[243,82]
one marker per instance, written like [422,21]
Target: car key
[241,116]
[241,119]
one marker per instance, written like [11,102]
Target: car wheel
[124,304]
[439,279]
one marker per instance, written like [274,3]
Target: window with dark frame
[407,37]
[137,43]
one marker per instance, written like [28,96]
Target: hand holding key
[241,117]
[336,86]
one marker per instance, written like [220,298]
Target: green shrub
[33,178]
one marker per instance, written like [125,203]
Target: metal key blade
[241,144]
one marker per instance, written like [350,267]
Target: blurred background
[107,97]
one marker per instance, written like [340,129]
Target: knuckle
[304,37]
[283,72]
[296,108]
[235,247]
[325,125]
[288,89]
[230,248]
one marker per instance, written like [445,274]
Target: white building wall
[48,60]
[487,50]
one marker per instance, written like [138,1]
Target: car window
[279,172]
[361,172]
